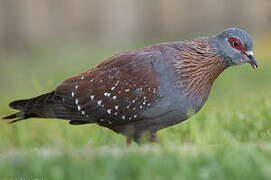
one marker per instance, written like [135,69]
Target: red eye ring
[236,44]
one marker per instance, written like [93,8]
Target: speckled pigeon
[144,90]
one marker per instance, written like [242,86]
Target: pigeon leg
[153,138]
[128,141]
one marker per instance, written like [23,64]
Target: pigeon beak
[251,59]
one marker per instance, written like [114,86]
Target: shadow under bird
[144,90]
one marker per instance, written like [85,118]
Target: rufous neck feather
[199,65]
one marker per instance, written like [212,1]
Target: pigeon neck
[199,65]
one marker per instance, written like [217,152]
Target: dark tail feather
[13,116]
[18,104]
[19,116]
[44,106]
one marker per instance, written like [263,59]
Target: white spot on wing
[76,87]
[82,78]
[108,111]
[116,107]
[114,97]
[99,102]
[72,94]
[112,88]
[92,97]
[79,108]
[76,101]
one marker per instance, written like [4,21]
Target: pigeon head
[235,46]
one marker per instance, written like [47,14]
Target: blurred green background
[44,42]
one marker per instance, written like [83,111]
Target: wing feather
[116,90]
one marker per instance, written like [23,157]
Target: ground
[230,138]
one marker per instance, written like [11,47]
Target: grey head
[235,47]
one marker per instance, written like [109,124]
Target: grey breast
[174,104]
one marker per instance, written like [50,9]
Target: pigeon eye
[235,43]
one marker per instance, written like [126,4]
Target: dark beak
[251,59]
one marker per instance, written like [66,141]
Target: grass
[230,138]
